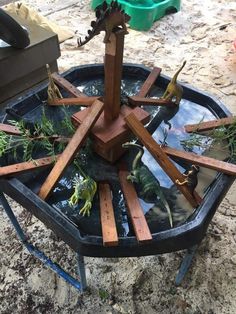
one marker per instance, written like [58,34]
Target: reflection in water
[163,119]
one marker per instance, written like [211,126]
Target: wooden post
[71,149]
[139,222]
[66,85]
[27,166]
[109,232]
[9,129]
[209,125]
[81,101]
[142,101]
[161,157]
[202,161]
[147,85]
[113,74]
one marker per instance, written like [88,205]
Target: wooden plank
[202,161]
[142,101]
[109,232]
[135,210]
[27,166]
[113,74]
[209,125]
[71,149]
[147,85]
[161,157]
[9,129]
[66,85]
[82,101]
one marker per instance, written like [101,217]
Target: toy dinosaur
[53,90]
[174,91]
[84,189]
[191,178]
[108,17]
[147,182]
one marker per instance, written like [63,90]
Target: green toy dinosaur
[84,189]
[108,17]
[148,183]
[174,90]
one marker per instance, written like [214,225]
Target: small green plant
[103,294]
[224,137]
[42,137]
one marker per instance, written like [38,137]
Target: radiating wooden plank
[27,166]
[209,125]
[161,157]
[147,85]
[109,232]
[142,101]
[9,129]
[81,101]
[202,161]
[71,149]
[66,85]
[139,222]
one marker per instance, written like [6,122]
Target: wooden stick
[27,166]
[161,157]
[71,149]
[12,130]
[9,129]
[66,85]
[113,74]
[142,101]
[82,101]
[202,161]
[209,125]
[147,85]
[109,232]
[135,210]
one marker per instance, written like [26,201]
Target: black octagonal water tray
[83,234]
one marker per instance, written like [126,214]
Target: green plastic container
[144,13]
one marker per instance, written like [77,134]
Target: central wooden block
[108,136]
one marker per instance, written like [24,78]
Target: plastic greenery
[43,137]
[223,137]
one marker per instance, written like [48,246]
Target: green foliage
[224,137]
[103,294]
[66,123]
[3,142]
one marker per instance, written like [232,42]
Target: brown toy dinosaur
[191,178]
[53,90]
[108,17]
[174,90]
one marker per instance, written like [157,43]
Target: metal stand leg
[81,271]
[38,254]
[186,262]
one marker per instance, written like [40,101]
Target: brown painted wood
[209,125]
[109,132]
[9,129]
[161,157]
[135,210]
[81,101]
[147,85]
[66,85]
[113,74]
[142,101]
[109,232]
[202,161]
[28,166]
[108,136]
[71,149]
